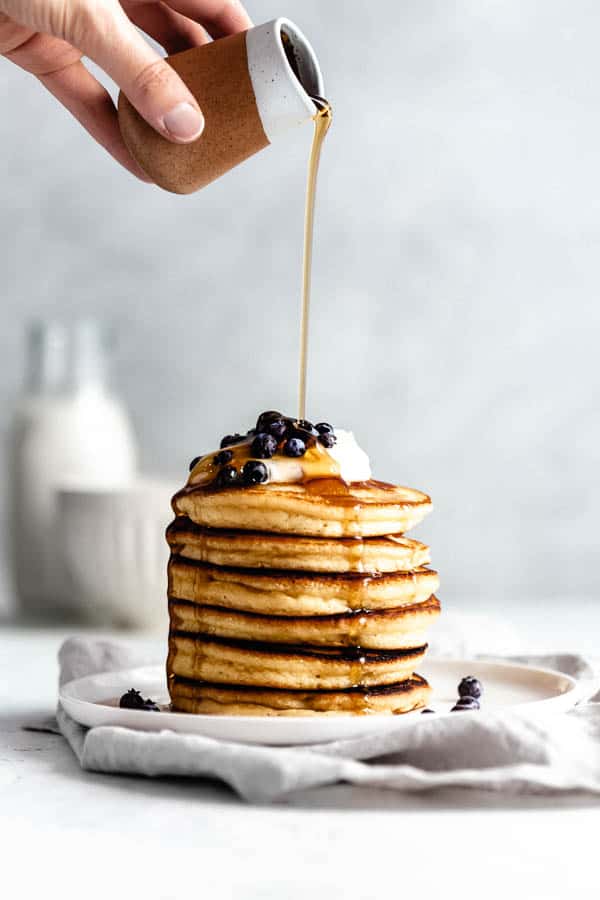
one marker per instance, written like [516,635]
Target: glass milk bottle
[69,429]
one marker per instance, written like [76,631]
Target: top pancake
[325,507]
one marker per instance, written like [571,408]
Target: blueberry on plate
[465,704]
[254,472]
[263,446]
[294,446]
[151,706]
[131,700]
[470,687]
[134,700]
[223,457]
[227,477]
[327,439]
[427,710]
[230,439]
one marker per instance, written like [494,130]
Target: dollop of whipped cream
[350,460]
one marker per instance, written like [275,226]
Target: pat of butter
[345,460]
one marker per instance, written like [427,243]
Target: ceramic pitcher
[251,87]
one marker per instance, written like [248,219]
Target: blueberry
[324,428]
[223,457]
[305,434]
[230,439]
[464,704]
[227,477]
[134,700]
[279,429]
[263,446]
[265,419]
[427,710]
[195,460]
[327,439]
[470,687]
[151,706]
[303,429]
[254,472]
[294,446]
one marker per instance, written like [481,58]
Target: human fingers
[57,66]
[171,29]
[219,17]
[83,95]
[101,30]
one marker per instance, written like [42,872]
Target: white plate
[93,701]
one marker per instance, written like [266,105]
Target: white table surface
[65,833]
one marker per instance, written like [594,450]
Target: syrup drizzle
[322,121]
[316,464]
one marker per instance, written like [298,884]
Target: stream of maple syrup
[322,121]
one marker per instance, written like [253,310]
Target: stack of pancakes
[298,599]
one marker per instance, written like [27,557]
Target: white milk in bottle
[69,430]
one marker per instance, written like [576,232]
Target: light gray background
[456,313]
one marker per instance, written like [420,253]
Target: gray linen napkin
[502,751]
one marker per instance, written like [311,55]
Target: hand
[49,37]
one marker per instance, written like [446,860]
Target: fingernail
[184,122]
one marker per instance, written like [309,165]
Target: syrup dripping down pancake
[288,593]
[389,629]
[258,550]
[293,589]
[325,507]
[288,666]
[217,699]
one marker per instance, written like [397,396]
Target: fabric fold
[495,751]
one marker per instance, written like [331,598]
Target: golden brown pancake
[296,599]
[281,593]
[401,628]
[218,699]
[287,666]
[324,507]
[258,550]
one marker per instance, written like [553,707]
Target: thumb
[106,35]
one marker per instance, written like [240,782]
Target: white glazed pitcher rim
[282,99]
[307,59]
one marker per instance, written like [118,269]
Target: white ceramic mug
[251,87]
[116,554]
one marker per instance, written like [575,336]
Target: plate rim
[574,691]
